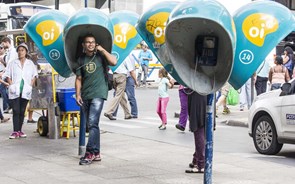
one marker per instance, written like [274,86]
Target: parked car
[271,120]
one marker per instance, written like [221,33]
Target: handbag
[110,81]
[232,97]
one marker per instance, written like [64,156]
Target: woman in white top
[21,74]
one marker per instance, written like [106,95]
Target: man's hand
[99,48]
[79,100]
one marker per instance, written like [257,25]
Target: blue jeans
[145,73]
[92,110]
[131,97]
[3,91]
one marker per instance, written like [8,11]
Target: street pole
[82,133]
[110,5]
[82,130]
[209,138]
[56,4]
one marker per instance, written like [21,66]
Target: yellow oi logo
[156,25]
[123,33]
[49,31]
[257,26]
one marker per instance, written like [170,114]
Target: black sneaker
[87,159]
[179,127]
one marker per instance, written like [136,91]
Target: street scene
[163,92]
[136,151]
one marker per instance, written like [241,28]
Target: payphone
[206,50]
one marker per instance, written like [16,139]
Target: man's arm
[133,75]
[78,85]
[110,58]
[150,56]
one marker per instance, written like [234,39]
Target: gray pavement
[127,160]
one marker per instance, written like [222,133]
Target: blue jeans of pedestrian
[92,110]
[145,73]
[3,91]
[131,97]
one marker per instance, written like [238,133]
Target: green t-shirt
[94,84]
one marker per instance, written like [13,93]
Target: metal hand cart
[44,99]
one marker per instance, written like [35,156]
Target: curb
[235,123]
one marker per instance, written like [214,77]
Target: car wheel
[265,136]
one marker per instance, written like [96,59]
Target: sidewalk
[125,160]
[234,118]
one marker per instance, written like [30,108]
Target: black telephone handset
[206,50]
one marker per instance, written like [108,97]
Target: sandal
[194,170]
[191,165]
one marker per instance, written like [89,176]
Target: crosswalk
[143,122]
[140,123]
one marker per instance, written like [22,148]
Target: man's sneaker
[14,135]
[128,117]
[163,127]
[97,157]
[179,127]
[87,159]
[21,134]
[111,117]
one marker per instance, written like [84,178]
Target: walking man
[144,57]
[91,91]
[120,78]
[130,87]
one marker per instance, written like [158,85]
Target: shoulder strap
[261,67]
